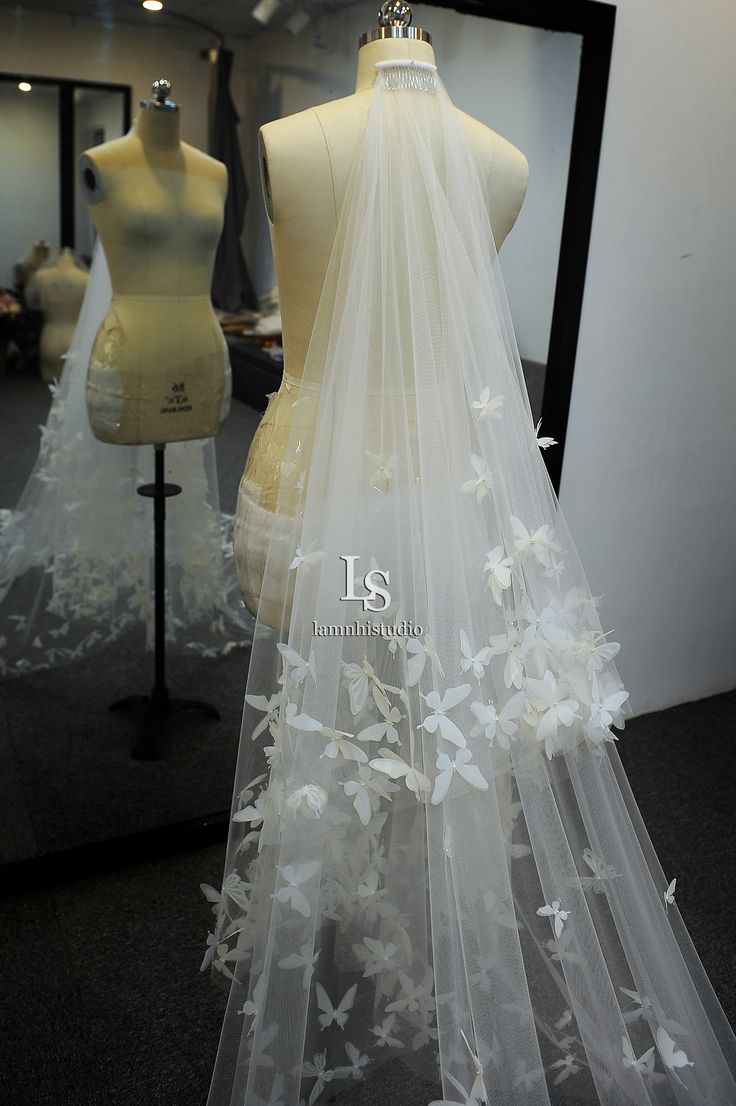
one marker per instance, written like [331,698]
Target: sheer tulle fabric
[76,564]
[434,855]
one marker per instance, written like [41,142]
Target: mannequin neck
[159,128]
[66,258]
[388,49]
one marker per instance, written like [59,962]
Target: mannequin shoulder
[204,165]
[496,153]
[317,142]
[98,168]
[505,172]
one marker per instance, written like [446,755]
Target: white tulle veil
[434,854]
[76,555]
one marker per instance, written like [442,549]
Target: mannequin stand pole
[158,707]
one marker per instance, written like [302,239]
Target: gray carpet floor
[102,1001]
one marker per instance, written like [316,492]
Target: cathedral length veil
[434,854]
[76,565]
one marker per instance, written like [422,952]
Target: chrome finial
[395,13]
[160,99]
[394,18]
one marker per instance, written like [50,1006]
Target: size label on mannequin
[176,401]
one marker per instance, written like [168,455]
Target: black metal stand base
[156,711]
[158,707]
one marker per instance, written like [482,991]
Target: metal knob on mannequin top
[160,100]
[394,21]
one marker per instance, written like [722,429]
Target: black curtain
[232,288]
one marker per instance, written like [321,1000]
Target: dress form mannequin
[27,265]
[58,289]
[159,370]
[305,163]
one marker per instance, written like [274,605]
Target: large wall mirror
[72,799]
[45,126]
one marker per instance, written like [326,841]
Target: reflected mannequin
[31,261]
[305,163]
[58,290]
[159,369]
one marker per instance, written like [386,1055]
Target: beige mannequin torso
[58,289]
[305,164]
[159,370]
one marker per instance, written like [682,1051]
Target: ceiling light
[25,86]
[265,10]
[152,5]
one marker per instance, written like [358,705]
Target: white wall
[29,194]
[88,49]
[517,80]
[650,465]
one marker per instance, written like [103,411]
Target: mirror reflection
[78,575]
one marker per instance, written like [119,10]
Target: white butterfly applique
[549,698]
[300,668]
[418,653]
[540,542]
[643,1064]
[362,679]
[556,914]
[510,644]
[386,730]
[669,895]
[270,708]
[527,1078]
[357,1061]
[305,559]
[568,1066]
[359,790]
[337,1014]
[305,959]
[497,569]
[294,877]
[499,725]
[543,443]
[384,1033]
[302,722]
[310,795]
[340,743]
[672,1056]
[385,470]
[605,710]
[317,1069]
[602,873]
[438,720]
[594,651]
[487,408]
[460,765]
[473,662]
[482,482]
[391,764]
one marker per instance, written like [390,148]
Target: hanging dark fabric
[232,288]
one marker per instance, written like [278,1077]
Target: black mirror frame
[594,22]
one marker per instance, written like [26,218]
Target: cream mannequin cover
[306,160]
[159,369]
